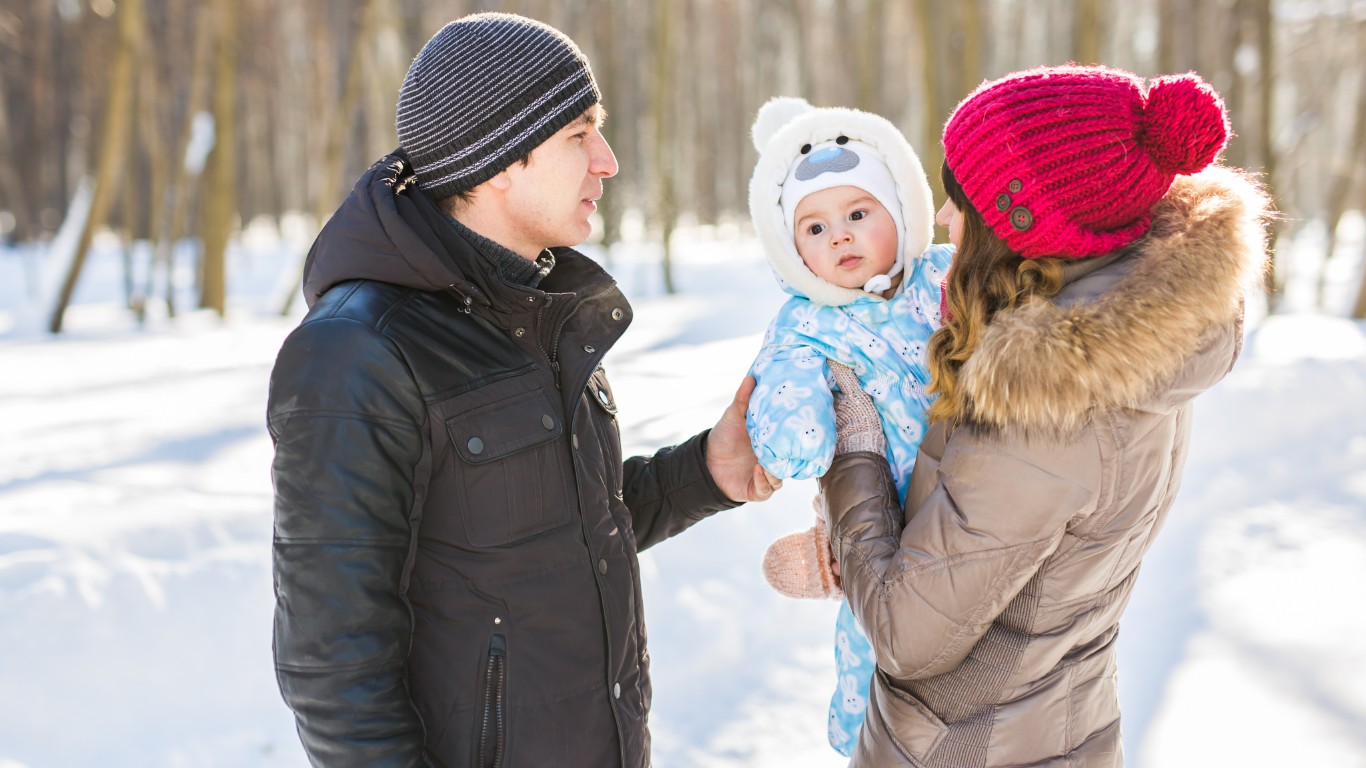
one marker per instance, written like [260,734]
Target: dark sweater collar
[509,265]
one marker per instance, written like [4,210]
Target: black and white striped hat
[485,91]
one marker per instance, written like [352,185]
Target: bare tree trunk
[220,203]
[386,67]
[10,184]
[1264,23]
[178,196]
[801,27]
[1178,38]
[612,83]
[1087,32]
[868,59]
[666,136]
[132,209]
[338,129]
[971,72]
[1359,309]
[113,146]
[932,151]
[1345,176]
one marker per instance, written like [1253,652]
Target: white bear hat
[803,149]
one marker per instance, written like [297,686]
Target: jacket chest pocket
[513,469]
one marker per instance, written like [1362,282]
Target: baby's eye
[857,215]
[815,229]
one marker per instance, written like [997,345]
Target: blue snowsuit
[791,416]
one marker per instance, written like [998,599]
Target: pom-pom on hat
[485,91]
[1069,161]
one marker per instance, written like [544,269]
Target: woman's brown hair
[986,277]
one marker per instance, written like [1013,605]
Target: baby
[842,207]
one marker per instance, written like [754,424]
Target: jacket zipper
[553,357]
[495,676]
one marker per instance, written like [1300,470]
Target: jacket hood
[782,127]
[1128,328]
[387,230]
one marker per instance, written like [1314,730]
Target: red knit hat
[1069,161]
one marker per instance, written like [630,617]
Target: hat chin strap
[880,283]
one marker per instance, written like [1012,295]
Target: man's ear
[502,181]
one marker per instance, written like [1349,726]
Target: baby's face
[845,236]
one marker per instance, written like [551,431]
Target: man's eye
[816,229]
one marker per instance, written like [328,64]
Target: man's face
[551,197]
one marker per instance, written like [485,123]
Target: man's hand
[730,459]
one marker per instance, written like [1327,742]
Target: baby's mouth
[849,260]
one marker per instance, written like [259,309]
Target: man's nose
[602,162]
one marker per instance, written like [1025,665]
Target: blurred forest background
[175,123]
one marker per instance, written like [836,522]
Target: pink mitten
[798,564]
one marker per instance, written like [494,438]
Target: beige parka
[993,601]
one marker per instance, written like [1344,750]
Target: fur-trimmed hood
[1130,327]
[782,127]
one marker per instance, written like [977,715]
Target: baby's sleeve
[930,268]
[791,416]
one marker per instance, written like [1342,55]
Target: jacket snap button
[617,314]
[616,691]
[475,445]
[547,422]
[589,348]
[602,395]
[602,566]
[519,333]
[574,438]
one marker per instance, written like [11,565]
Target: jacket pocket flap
[915,729]
[498,430]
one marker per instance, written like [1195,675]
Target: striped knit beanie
[485,91]
[1069,161]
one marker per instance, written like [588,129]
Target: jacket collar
[389,230]
[1125,325]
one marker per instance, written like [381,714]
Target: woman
[1097,289]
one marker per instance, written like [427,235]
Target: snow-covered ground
[135,596]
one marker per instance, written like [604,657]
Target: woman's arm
[984,512]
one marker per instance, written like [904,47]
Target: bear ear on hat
[775,114]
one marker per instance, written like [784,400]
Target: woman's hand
[857,424]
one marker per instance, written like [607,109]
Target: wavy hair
[986,277]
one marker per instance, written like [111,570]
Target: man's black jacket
[455,528]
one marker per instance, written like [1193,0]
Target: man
[455,528]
